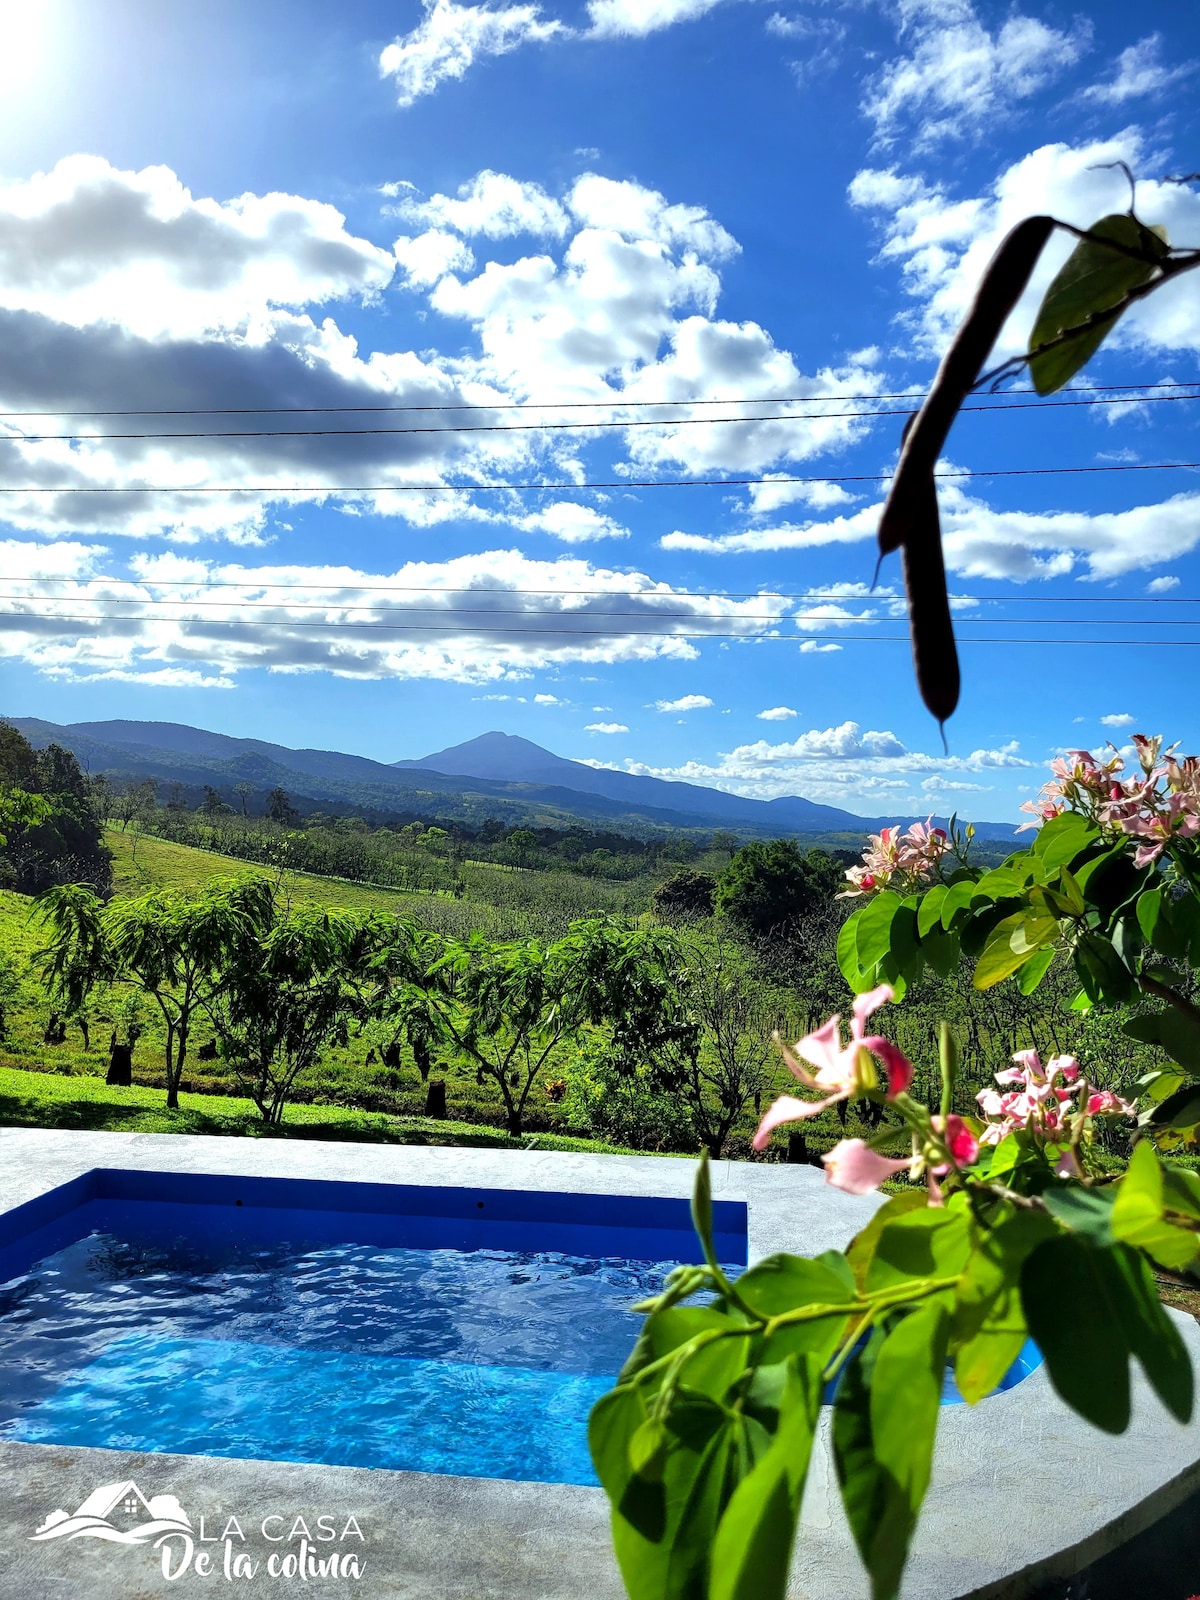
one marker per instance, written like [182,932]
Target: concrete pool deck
[1023,1490]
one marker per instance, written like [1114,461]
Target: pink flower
[857,1169]
[960,1141]
[1104,1103]
[842,1070]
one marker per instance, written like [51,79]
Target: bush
[686,897]
[623,1107]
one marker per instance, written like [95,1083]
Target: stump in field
[435,1099]
[120,1065]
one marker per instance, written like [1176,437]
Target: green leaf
[958,900]
[752,1551]
[1093,281]
[1151,1334]
[884,1422]
[1157,924]
[1137,1214]
[717,1364]
[1035,969]
[874,930]
[931,1243]
[929,912]
[1069,1293]
[1172,1031]
[989,1325]
[902,942]
[1104,976]
[702,1211]
[1084,1211]
[861,1248]
[692,1537]
[1179,1110]
[942,951]
[781,1283]
[847,955]
[1011,944]
[1063,838]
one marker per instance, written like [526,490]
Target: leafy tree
[770,886]
[212,806]
[283,998]
[515,1008]
[50,827]
[173,945]
[243,791]
[280,808]
[10,989]
[686,896]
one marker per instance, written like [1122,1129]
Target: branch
[1163,991]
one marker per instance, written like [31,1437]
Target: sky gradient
[451,249]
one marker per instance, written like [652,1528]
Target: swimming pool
[439,1330]
[349,1324]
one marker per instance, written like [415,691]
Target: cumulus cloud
[1140,70]
[842,765]
[982,542]
[1163,584]
[471,619]
[492,205]
[956,75]
[635,18]
[687,702]
[810,647]
[546,700]
[430,256]
[777,714]
[87,243]
[449,38]
[943,243]
[573,523]
[1119,719]
[606,727]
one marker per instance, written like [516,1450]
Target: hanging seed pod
[910,515]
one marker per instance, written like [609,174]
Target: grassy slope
[141,863]
[51,1100]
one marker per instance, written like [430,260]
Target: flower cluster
[1160,806]
[899,860]
[1054,1112]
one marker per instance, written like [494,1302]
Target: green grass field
[54,1100]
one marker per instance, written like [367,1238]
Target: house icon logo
[120,1513]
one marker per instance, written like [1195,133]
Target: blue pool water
[483,1363]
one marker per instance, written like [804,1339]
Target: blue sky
[572,212]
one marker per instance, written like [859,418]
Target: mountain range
[497,774]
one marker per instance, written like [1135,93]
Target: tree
[686,896]
[10,989]
[280,808]
[243,791]
[173,945]
[212,806]
[521,841]
[283,998]
[50,825]
[515,1008]
[768,887]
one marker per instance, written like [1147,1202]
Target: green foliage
[686,896]
[767,887]
[704,1443]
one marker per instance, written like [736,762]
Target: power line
[562,405]
[618,594]
[615,483]
[584,633]
[557,427]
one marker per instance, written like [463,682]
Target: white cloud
[1120,719]
[810,647]
[777,714]
[471,619]
[943,244]
[430,256]
[492,205]
[87,243]
[687,702]
[572,523]
[842,766]
[957,76]
[1140,71]
[981,542]
[1162,585]
[546,700]
[449,37]
[606,727]
[622,19]
[768,497]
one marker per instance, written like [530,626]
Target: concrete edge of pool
[1023,1491]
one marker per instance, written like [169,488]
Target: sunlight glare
[23,42]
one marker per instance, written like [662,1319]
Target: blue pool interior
[431,1329]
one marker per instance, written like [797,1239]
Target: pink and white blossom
[857,1169]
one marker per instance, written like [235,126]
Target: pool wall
[1024,1493]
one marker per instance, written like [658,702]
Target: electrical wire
[554,427]
[277,489]
[564,405]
